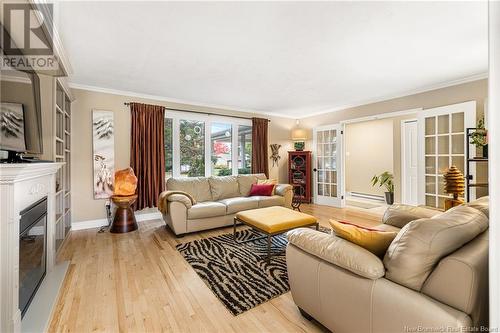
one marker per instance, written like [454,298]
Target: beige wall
[84,206]
[476,90]
[369,152]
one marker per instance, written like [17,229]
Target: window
[192,147]
[221,142]
[244,149]
[168,147]
[206,145]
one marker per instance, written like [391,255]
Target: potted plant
[479,137]
[385,179]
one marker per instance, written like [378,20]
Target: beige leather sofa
[218,199]
[433,278]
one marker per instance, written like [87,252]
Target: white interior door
[442,143]
[409,158]
[327,142]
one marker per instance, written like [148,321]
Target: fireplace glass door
[32,252]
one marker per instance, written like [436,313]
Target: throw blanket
[163,199]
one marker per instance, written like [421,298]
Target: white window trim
[208,119]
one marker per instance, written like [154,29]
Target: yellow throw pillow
[268,182]
[373,240]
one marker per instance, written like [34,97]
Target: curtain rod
[205,113]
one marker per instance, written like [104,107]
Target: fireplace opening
[32,251]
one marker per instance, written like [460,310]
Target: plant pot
[389,198]
[485,151]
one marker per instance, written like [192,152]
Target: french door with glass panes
[327,142]
[442,143]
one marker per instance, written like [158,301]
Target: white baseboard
[90,224]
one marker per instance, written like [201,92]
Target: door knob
[315,169]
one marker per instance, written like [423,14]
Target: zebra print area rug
[238,274]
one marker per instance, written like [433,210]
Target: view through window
[192,148]
[207,146]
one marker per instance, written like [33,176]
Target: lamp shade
[299,134]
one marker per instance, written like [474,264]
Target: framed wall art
[103,140]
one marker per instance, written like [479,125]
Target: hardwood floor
[138,282]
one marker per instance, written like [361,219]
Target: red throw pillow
[262,189]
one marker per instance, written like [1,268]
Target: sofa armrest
[399,215]
[282,189]
[180,198]
[286,191]
[173,196]
[338,251]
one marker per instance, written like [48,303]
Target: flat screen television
[20,113]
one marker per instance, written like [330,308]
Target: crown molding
[475,77]
[174,100]
[46,19]
[284,114]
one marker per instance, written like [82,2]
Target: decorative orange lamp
[453,184]
[124,197]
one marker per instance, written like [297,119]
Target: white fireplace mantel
[20,186]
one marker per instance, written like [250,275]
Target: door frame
[403,157]
[469,109]
[385,115]
[339,161]
[343,123]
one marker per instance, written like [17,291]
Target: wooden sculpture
[453,184]
[275,156]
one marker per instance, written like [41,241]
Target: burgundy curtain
[147,152]
[260,162]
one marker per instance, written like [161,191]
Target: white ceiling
[283,58]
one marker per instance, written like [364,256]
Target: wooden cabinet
[299,174]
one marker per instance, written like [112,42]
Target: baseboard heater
[367,196]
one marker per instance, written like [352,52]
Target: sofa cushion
[206,209]
[224,187]
[275,200]
[420,245]
[399,215]
[386,227]
[198,187]
[481,204]
[245,182]
[234,205]
[267,182]
[375,241]
[262,190]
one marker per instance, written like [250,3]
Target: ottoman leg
[268,249]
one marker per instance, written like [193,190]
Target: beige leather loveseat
[217,200]
[433,278]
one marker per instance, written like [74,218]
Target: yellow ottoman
[272,221]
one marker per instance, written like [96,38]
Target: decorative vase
[389,198]
[485,151]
